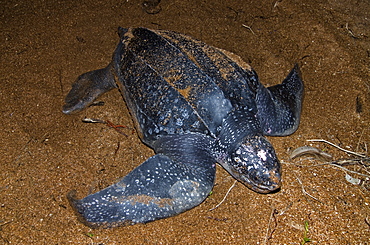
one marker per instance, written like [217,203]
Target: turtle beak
[266,182]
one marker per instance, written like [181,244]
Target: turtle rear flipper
[87,88]
[279,106]
[179,178]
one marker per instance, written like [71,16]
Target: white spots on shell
[179,122]
[237,159]
[184,114]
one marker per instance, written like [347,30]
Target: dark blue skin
[196,106]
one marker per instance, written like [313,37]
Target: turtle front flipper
[279,106]
[87,88]
[178,178]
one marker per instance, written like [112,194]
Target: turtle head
[254,163]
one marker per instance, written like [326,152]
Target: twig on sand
[108,123]
[361,159]
[306,193]
[336,146]
[340,163]
[268,233]
[248,27]
[351,32]
[227,193]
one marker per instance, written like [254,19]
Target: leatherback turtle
[195,105]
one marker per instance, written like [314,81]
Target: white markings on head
[262,154]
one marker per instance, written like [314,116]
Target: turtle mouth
[261,182]
[266,183]
[267,187]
